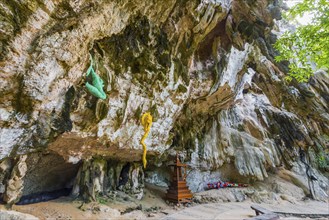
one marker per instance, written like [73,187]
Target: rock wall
[204,69]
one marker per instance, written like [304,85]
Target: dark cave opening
[124,175]
[44,196]
[48,177]
[48,172]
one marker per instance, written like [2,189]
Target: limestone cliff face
[204,69]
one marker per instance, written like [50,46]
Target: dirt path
[65,209]
[153,206]
[121,206]
[242,210]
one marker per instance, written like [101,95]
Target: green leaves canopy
[309,43]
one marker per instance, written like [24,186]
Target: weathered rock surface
[13,215]
[273,190]
[204,69]
[15,185]
[99,177]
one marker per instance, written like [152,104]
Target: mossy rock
[102,109]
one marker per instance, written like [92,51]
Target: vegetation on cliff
[307,48]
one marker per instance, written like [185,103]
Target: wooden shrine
[178,190]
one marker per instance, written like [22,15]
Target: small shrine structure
[178,191]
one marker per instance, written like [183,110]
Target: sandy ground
[122,207]
[153,206]
[242,210]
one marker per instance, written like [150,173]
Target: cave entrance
[48,177]
[124,175]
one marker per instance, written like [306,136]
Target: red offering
[221,184]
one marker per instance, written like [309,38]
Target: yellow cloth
[147,123]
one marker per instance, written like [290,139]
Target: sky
[306,19]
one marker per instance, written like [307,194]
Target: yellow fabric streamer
[147,123]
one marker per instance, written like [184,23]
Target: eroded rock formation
[204,69]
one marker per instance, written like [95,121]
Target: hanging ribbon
[96,88]
[147,123]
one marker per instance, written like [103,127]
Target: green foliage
[101,199]
[322,155]
[308,43]
[323,161]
